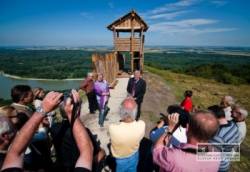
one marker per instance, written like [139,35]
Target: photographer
[14,158]
[228,133]
[202,127]
[179,135]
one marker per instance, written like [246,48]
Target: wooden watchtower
[128,33]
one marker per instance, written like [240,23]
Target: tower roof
[124,24]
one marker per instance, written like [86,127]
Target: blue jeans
[128,164]
[103,113]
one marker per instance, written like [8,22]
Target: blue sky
[83,22]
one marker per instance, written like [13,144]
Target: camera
[183,118]
[65,96]
[76,105]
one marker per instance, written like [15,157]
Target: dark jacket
[140,89]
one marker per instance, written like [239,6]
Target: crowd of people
[32,140]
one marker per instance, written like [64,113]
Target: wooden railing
[124,44]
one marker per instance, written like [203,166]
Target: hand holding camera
[72,105]
[173,120]
[51,101]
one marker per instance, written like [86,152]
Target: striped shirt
[227,133]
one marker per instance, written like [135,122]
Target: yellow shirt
[126,137]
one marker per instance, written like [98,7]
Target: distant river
[6,83]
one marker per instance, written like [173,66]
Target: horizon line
[86,46]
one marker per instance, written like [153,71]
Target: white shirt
[228,113]
[242,130]
[180,134]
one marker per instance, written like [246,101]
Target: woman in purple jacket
[101,88]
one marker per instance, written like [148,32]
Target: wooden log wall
[106,64]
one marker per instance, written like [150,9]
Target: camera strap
[194,151]
[75,113]
[190,150]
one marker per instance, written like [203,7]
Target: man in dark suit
[137,88]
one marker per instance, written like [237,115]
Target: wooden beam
[142,52]
[132,42]
[114,39]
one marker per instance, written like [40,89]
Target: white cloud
[169,7]
[111,5]
[162,19]
[167,16]
[183,23]
[219,3]
[170,10]
[85,14]
[189,26]
[214,30]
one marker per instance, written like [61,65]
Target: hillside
[206,92]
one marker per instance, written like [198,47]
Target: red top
[187,104]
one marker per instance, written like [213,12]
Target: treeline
[222,73]
[228,69]
[52,64]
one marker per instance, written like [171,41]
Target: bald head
[90,75]
[239,113]
[7,131]
[227,101]
[203,126]
[128,108]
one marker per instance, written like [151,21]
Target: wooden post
[132,43]
[142,50]
[114,39]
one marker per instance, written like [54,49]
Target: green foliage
[52,64]
[221,73]
[5,102]
[228,69]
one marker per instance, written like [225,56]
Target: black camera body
[184,115]
[183,118]
[76,105]
[65,96]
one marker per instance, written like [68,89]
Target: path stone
[91,120]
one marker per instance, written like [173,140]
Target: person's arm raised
[81,136]
[173,120]
[14,157]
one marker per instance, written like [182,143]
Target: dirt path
[157,98]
